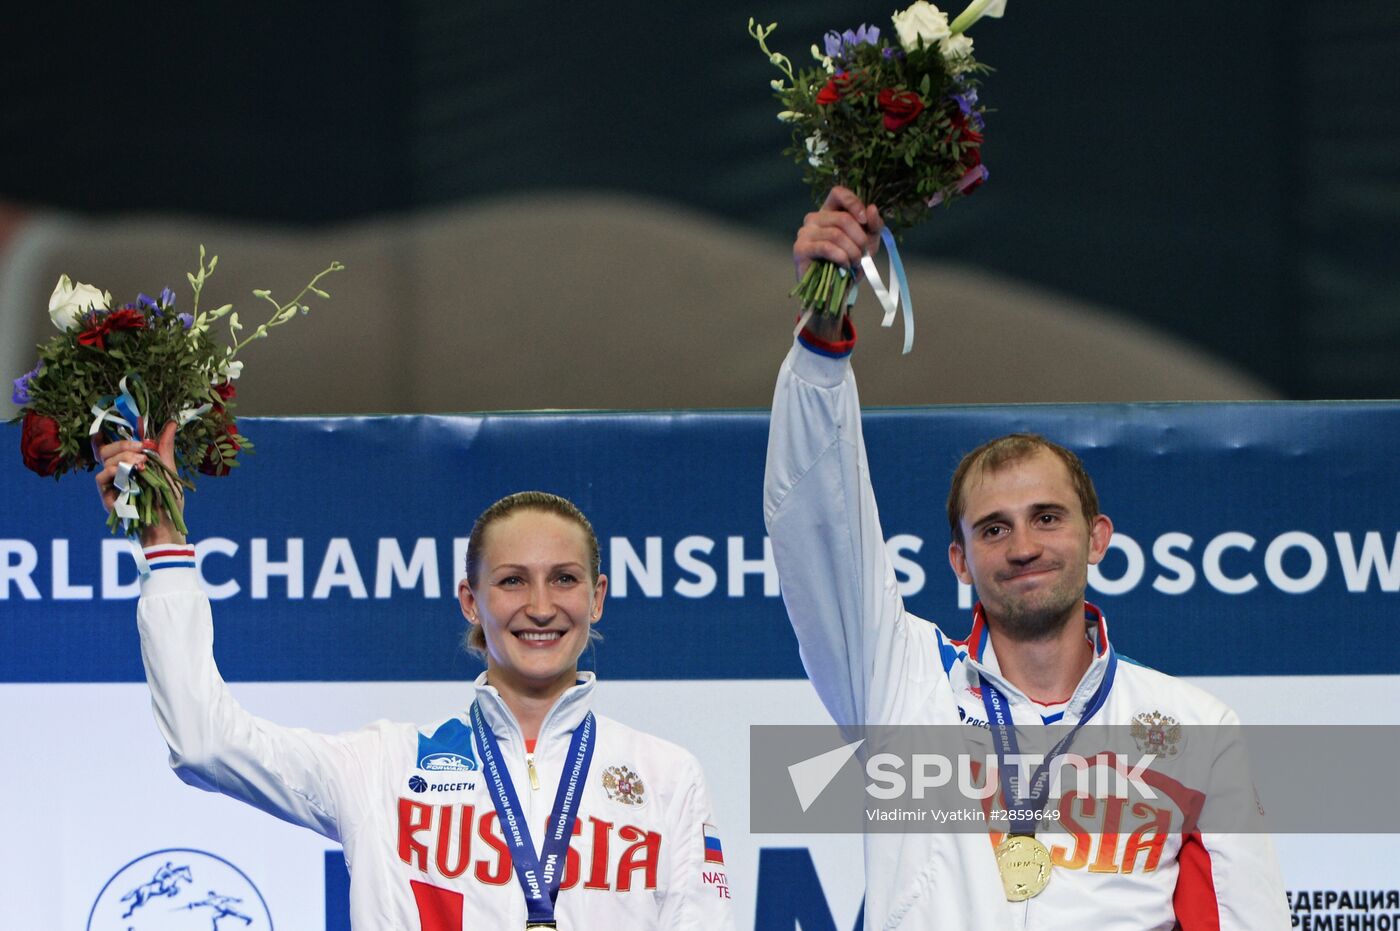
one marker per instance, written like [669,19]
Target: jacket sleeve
[214,743]
[862,652]
[1228,875]
[697,890]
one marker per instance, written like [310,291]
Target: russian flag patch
[714,853]
[170,557]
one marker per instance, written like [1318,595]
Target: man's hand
[113,455]
[842,232]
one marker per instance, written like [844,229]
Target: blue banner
[1250,539]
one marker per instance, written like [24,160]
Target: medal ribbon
[539,876]
[1004,737]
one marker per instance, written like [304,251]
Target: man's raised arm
[837,581]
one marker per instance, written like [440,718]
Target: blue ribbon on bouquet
[123,416]
[891,297]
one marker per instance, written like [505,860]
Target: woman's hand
[113,455]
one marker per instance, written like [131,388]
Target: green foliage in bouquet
[123,373]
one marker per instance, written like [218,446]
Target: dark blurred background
[1226,173]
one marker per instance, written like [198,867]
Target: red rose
[213,462]
[832,91]
[39,444]
[835,88]
[124,319]
[961,132]
[901,108]
[971,159]
[225,392]
[127,318]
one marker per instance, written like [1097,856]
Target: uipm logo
[179,889]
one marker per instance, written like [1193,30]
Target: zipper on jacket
[530,765]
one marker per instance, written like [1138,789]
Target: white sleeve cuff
[172,569]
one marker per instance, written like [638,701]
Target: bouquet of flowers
[898,124]
[122,373]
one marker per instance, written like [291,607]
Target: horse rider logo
[179,890]
[165,882]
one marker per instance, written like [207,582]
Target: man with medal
[438,821]
[1025,526]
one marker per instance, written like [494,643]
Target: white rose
[70,301]
[923,21]
[955,47]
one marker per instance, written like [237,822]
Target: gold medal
[1024,863]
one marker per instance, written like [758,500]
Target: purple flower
[966,103]
[892,52]
[148,304]
[186,320]
[837,45]
[156,307]
[21,395]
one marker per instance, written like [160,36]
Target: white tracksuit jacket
[872,662]
[417,824]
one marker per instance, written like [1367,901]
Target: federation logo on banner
[179,890]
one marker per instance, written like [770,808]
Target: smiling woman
[532,594]
[629,840]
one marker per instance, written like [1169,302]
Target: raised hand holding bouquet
[900,125]
[122,373]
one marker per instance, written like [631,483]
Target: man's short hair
[1004,450]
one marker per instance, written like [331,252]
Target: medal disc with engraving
[541,926]
[1024,863]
